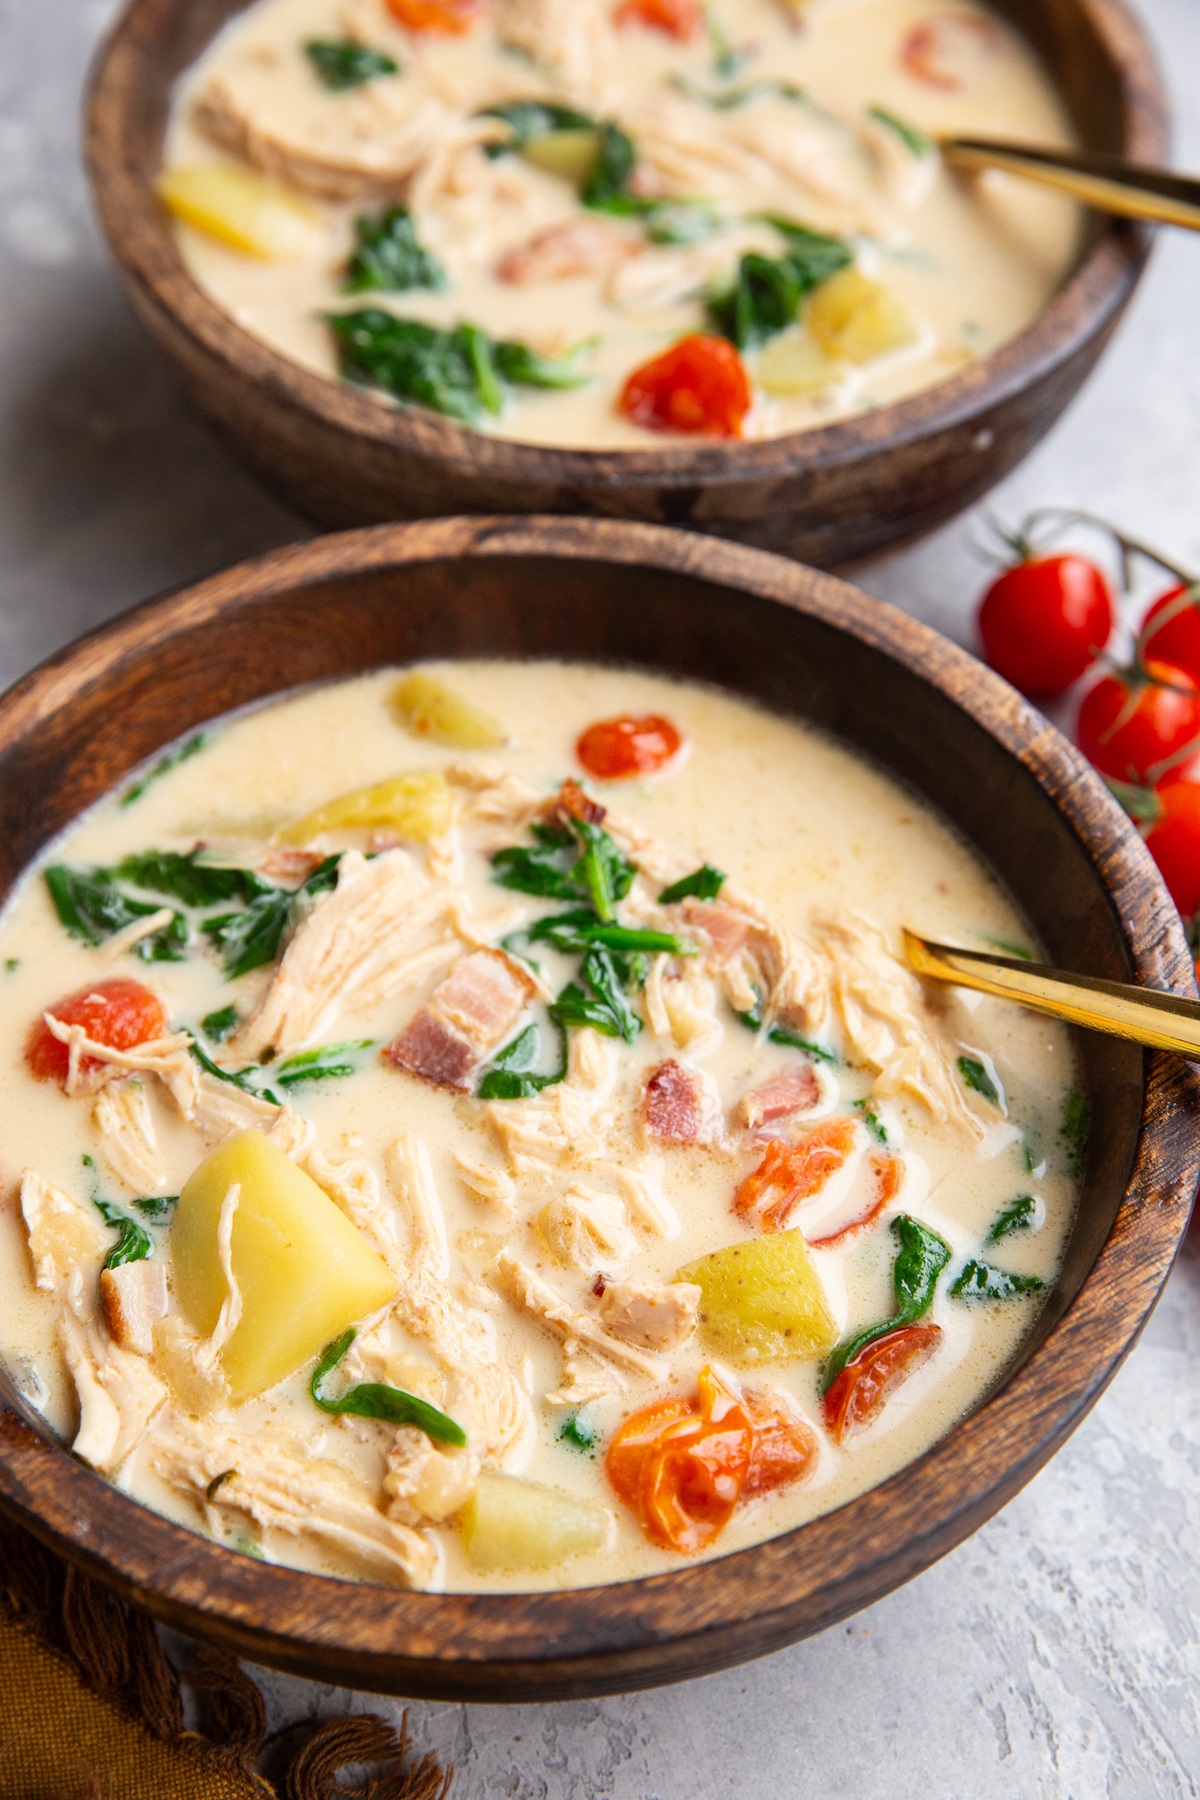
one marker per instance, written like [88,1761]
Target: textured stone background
[1053,1655]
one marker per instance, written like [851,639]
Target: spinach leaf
[93,908]
[511,1075]
[531,119]
[371,1400]
[189,879]
[605,1008]
[911,136]
[340,63]
[157,1207]
[752,1018]
[544,870]
[237,1078]
[780,1034]
[577,931]
[607,186]
[523,367]
[578,1436]
[220,1025]
[1077,1121]
[728,99]
[454,372]
[603,871]
[249,939]
[872,1121]
[163,766]
[1018,1216]
[764,296]
[387,256]
[980,1282]
[704,883]
[133,1245]
[323,1064]
[919,1263]
[678,221]
[976,1077]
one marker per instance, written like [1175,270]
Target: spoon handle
[1109,183]
[1145,1016]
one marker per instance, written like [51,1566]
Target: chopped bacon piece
[467,1017]
[572,803]
[119,1014]
[785,1445]
[572,247]
[942,51]
[678,1107]
[791,1173]
[863,1388]
[797,1090]
[887,1178]
[680,19]
[725,928]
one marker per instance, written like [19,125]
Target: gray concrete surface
[1056,1653]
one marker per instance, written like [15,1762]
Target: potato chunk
[569,153]
[512,1524]
[852,316]
[429,710]
[762,1300]
[794,364]
[257,217]
[303,1270]
[419,806]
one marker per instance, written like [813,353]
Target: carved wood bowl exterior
[804,644]
[830,496]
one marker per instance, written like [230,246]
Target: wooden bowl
[802,643]
[829,496]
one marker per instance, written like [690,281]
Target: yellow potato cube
[852,316]
[793,364]
[762,1300]
[512,1524]
[419,806]
[303,1271]
[257,217]
[429,710]
[570,154]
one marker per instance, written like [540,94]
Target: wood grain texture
[830,496]
[803,643]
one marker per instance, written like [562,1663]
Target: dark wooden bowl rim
[519,1646]
[1097,290]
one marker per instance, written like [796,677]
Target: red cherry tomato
[1044,620]
[681,19]
[616,749]
[1173,840]
[119,1014]
[1177,639]
[860,1393]
[1127,724]
[451,18]
[699,385]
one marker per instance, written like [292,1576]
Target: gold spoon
[1109,183]
[1145,1016]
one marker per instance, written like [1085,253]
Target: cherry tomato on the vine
[1171,629]
[1173,840]
[699,385]
[1132,721]
[1044,620]
[118,1014]
[616,749]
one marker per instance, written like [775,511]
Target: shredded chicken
[425,1482]
[571,247]
[586,1230]
[569,1125]
[658,1318]
[491,1185]
[573,42]
[63,1236]
[190,1366]
[127,1139]
[133,1298]
[120,942]
[577,1330]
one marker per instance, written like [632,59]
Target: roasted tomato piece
[118,1013]
[615,749]
[682,19]
[680,1465]
[1134,720]
[945,52]
[864,1386]
[699,385]
[791,1173]
[785,1445]
[887,1178]
[450,17]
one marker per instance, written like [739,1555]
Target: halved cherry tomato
[119,1014]
[452,18]
[616,749]
[1171,629]
[887,1178]
[680,1465]
[794,1172]
[941,52]
[785,1446]
[1173,840]
[681,19]
[699,385]
[864,1386]
[1131,721]
[1044,620]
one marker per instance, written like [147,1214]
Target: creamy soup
[472,1127]
[517,212]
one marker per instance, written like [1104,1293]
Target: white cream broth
[819,840]
[968,263]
